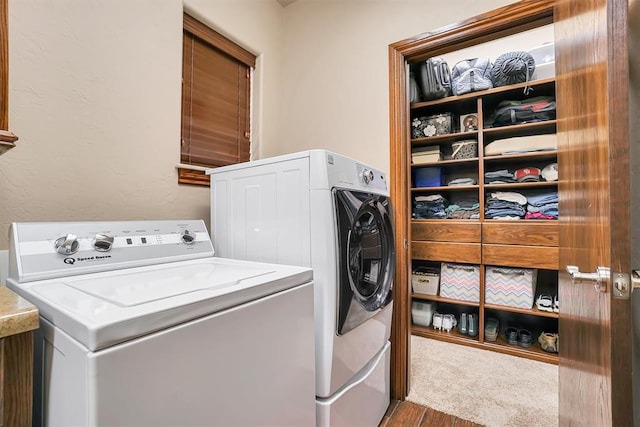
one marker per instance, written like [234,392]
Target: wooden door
[593,129]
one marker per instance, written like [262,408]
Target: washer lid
[104,309]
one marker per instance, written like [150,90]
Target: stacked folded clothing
[463,207]
[462,181]
[505,205]
[542,206]
[430,207]
[502,176]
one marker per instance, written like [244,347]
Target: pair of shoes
[521,337]
[548,342]
[491,328]
[544,303]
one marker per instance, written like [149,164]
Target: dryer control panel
[48,250]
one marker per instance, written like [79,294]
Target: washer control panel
[47,250]
[371,178]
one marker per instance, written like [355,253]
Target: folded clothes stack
[502,176]
[430,207]
[463,207]
[542,206]
[505,205]
[462,181]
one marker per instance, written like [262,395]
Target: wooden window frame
[7,139]
[195,175]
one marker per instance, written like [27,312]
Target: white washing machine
[142,326]
[329,212]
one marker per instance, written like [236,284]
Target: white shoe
[437,321]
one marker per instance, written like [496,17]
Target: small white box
[425,281]
[422,312]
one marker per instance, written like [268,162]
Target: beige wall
[95,94]
[336,94]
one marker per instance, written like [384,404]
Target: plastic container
[422,312]
[545,59]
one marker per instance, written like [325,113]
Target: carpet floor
[486,387]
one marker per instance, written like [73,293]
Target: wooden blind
[215,98]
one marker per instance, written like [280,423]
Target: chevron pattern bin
[510,287]
[460,281]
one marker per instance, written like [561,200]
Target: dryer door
[366,256]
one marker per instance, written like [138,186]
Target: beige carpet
[483,386]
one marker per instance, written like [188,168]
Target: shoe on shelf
[544,303]
[462,326]
[511,335]
[491,328]
[525,339]
[556,304]
[449,322]
[548,342]
[472,325]
[437,321]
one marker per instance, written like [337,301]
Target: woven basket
[466,149]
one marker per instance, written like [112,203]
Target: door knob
[599,278]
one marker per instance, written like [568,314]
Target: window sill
[193,175]
[7,141]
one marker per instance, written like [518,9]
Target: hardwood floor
[408,414]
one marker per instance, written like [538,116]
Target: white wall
[95,87]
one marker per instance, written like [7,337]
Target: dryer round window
[366,256]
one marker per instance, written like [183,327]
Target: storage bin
[425,280]
[439,124]
[465,149]
[543,54]
[545,58]
[432,176]
[422,312]
[510,287]
[460,281]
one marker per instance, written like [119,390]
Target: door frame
[508,20]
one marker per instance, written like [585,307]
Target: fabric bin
[460,281]
[425,280]
[510,287]
[432,176]
[422,312]
[466,149]
[439,124]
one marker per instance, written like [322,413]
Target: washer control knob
[103,243]
[367,176]
[67,245]
[187,237]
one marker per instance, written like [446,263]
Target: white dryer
[329,212]
[142,326]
